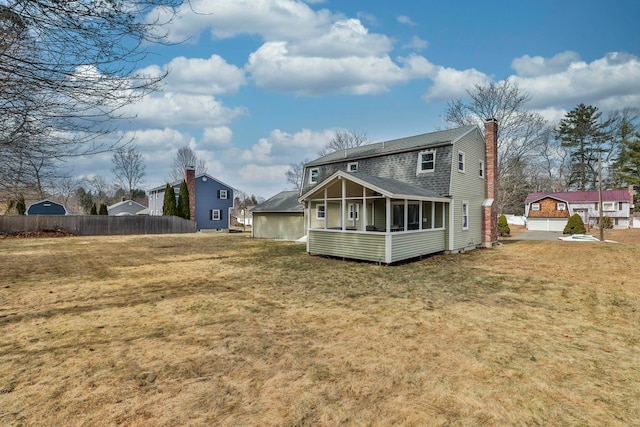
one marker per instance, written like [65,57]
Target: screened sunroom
[375,219]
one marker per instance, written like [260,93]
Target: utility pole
[600,198]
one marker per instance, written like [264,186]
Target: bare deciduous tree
[344,139]
[67,70]
[520,133]
[295,173]
[128,168]
[186,157]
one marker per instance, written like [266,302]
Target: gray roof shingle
[285,201]
[396,145]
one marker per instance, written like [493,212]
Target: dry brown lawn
[224,330]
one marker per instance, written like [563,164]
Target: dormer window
[313,175]
[426,161]
[352,167]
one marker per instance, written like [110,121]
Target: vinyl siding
[468,187]
[278,225]
[355,245]
[411,245]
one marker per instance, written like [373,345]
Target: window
[561,206]
[354,210]
[481,168]
[465,215]
[426,161]
[535,206]
[320,212]
[313,176]
[215,214]
[460,161]
[352,167]
[223,194]
[608,206]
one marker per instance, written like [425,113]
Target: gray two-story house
[401,199]
[210,200]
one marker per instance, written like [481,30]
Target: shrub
[607,223]
[503,226]
[103,209]
[94,210]
[21,206]
[574,225]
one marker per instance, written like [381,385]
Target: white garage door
[546,224]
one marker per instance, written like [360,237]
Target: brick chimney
[632,206]
[190,179]
[490,204]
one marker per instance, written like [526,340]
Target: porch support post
[452,233]
[388,209]
[326,208]
[406,214]
[363,221]
[420,215]
[343,205]
[309,213]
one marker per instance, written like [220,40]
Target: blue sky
[261,84]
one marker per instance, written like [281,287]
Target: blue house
[210,200]
[46,207]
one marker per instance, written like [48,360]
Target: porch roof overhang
[386,187]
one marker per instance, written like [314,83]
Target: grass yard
[220,329]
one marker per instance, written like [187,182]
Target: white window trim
[419,169]
[353,210]
[311,177]
[482,172]
[323,211]
[535,206]
[215,213]
[352,167]
[561,206]
[223,194]
[464,157]
[465,215]
[609,206]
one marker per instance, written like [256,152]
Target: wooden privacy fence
[95,225]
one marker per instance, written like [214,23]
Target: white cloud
[274,67]
[178,109]
[611,82]
[212,76]
[416,43]
[270,19]
[403,19]
[345,38]
[449,83]
[214,138]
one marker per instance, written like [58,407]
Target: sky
[256,85]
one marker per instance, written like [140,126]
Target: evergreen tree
[169,204]
[627,166]
[94,210]
[585,136]
[184,211]
[503,226]
[574,225]
[103,209]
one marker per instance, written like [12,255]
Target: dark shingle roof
[286,201]
[395,187]
[396,145]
